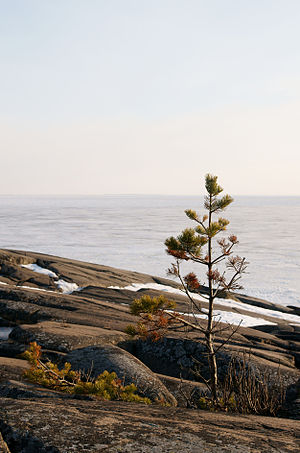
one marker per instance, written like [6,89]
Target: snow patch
[158,287]
[40,270]
[67,287]
[35,289]
[259,310]
[226,302]
[235,319]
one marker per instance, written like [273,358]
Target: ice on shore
[235,317]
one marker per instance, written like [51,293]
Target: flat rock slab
[64,337]
[48,426]
[16,364]
[11,368]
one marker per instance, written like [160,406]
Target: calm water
[129,231]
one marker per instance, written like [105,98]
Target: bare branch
[187,323]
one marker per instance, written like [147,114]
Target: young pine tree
[198,245]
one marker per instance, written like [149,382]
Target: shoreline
[28,259]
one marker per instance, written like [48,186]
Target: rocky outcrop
[87,328]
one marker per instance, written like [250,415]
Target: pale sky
[139,96]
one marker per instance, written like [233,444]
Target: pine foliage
[155,319]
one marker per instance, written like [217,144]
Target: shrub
[246,389]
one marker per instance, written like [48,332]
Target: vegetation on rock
[106,386]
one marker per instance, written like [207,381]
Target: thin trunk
[209,339]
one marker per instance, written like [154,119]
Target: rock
[15,272]
[177,357]
[96,359]
[5,323]
[78,426]
[291,407]
[19,312]
[24,390]
[99,306]
[64,337]
[296,310]
[81,272]
[11,349]
[11,369]
[184,391]
[261,303]
[21,305]
[17,365]
[23,442]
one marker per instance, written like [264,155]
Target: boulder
[96,359]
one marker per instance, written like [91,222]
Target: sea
[128,232]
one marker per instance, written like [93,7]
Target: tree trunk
[209,345]
[213,371]
[212,362]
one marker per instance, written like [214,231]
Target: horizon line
[134,195]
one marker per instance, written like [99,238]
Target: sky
[146,97]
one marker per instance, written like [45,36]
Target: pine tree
[189,245]
[197,245]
